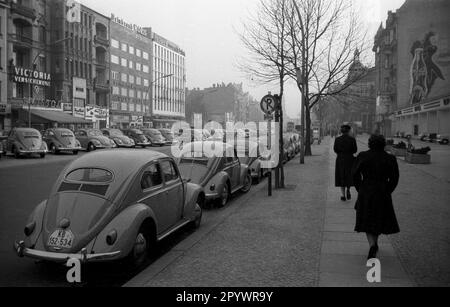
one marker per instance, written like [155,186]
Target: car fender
[244,171]
[126,224]
[194,192]
[219,180]
[37,216]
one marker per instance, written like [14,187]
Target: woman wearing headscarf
[376,177]
[345,147]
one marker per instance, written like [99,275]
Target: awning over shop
[43,116]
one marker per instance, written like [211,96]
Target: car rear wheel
[247,183]
[444,142]
[224,196]
[16,153]
[141,247]
[42,155]
[90,147]
[75,152]
[53,149]
[198,220]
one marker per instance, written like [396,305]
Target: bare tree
[323,37]
[264,37]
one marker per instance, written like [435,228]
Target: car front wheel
[53,149]
[224,196]
[90,147]
[247,183]
[141,247]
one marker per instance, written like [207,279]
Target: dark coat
[376,177]
[345,147]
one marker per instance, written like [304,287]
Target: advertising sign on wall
[29,76]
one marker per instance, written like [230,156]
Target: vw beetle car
[121,140]
[220,176]
[138,137]
[169,136]
[25,141]
[111,205]
[59,140]
[252,155]
[93,139]
[155,137]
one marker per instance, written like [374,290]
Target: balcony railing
[101,40]
[21,38]
[23,10]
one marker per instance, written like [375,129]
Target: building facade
[5,108]
[420,68]
[169,82]
[28,55]
[80,63]
[131,49]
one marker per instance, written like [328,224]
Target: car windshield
[94,175]
[95,133]
[30,135]
[66,134]
[115,132]
[137,132]
[154,133]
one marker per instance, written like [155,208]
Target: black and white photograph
[225,151]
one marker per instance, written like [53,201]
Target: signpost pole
[269,145]
[268,106]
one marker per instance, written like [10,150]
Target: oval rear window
[94,175]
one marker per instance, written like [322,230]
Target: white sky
[206,30]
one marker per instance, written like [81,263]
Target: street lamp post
[153,82]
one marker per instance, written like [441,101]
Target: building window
[145,69]
[115,43]
[124,62]
[115,105]
[123,106]
[114,59]
[124,47]
[124,78]
[145,55]
[138,52]
[131,50]
[115,75]
[116,90]
[124,92]
[138,80]
[131,93]
[138,66]
[130,64]
[146,83]
[131,107]
[131,79]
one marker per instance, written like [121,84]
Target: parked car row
[29,141]
[434,138]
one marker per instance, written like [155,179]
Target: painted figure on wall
[424,71]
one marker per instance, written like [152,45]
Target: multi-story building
[81,62]
[28,55]
[419,65]
[169,82]
[131,48]
[5,108]
[385,49]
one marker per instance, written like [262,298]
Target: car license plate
[61,239]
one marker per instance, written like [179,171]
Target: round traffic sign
[268,104]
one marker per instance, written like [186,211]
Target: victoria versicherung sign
[29,76]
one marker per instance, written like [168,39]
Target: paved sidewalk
[302,236]
[344,252]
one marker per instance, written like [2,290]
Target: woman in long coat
[345,147]
[376,177]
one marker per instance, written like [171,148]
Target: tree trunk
[308,151]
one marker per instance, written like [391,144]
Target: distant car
[169,136]
[289,149]
[61,140]
[443,139]
[25,142]
[93,139]
[121,140]
[155,137]
[252,156]
[220,177]
[423,137]
[111,205]
[138,137]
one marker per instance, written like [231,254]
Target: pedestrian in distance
[376,176]
[345,147]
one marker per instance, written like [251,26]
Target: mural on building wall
[424,71]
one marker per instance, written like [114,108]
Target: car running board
[171,231]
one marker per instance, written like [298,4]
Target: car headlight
[29,229]
[212,187]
